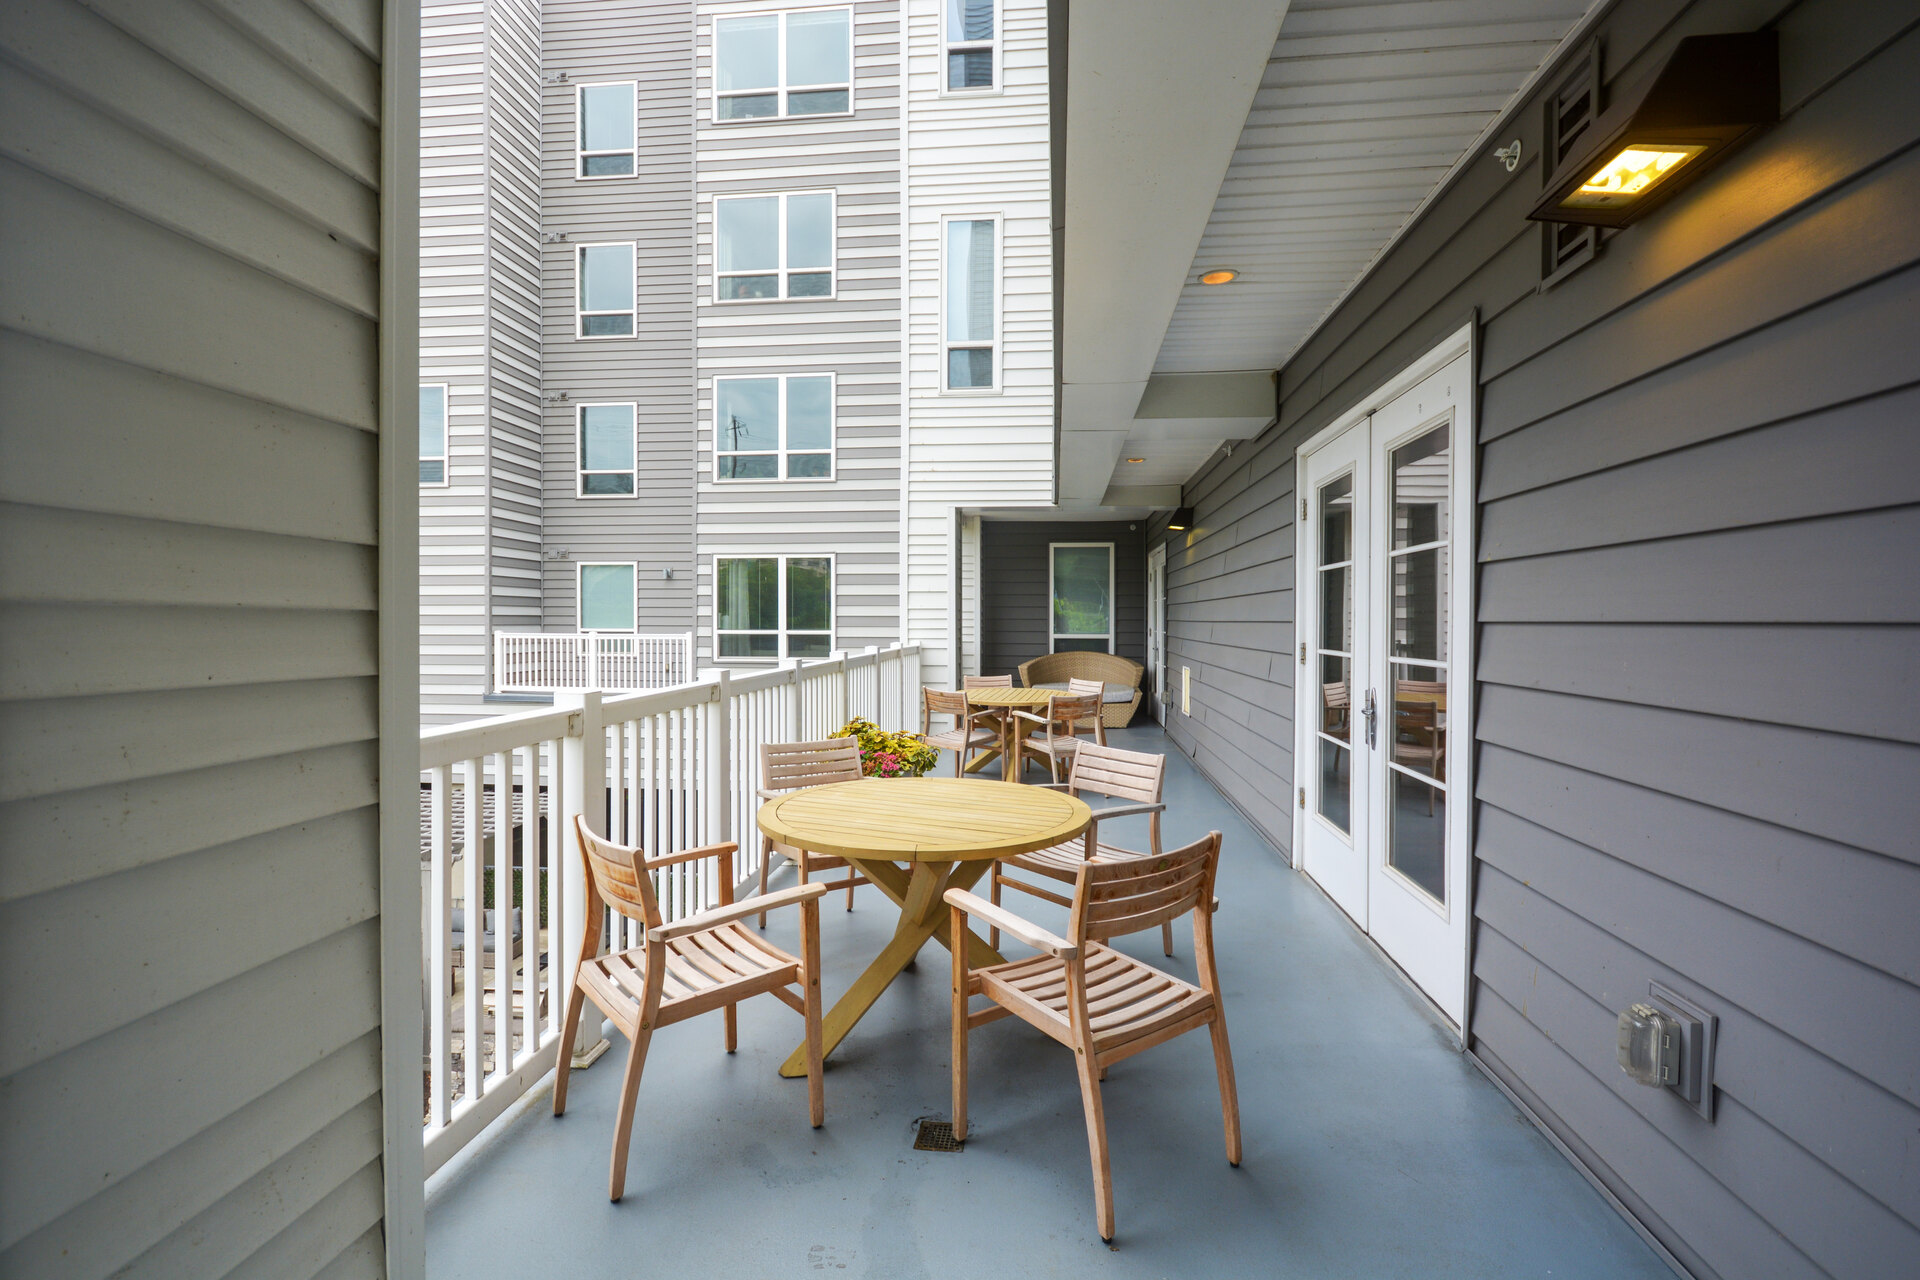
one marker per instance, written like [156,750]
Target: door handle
[1370,711]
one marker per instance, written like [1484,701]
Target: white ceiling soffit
[1156,96]
[1364,109]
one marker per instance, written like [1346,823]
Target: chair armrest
[1126,810]
[1007,922]
[718,916]
[1027,715]
[727,849]
[1055,786]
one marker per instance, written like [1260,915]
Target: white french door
[1157,631]
[1385,569]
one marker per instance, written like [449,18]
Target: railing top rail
[631,706]
[473,738]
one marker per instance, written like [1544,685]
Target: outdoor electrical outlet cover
[1699,1035]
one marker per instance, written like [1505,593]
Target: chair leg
[1166,936]
[960,982]
[564,1065]
[623,1124]
[850,879]
[993,893]
[733,1027]
[766,857]
[1229,1095]
[1097,1144]
[810,999]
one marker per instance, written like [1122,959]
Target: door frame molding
[1460,764]
[1157,636]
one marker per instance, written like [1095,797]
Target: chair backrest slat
[1123,775]
[943,702]
[986,682]
[788,766]
[1114,898]
[1069,710]
[618,876]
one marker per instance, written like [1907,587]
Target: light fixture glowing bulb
[1632,172]
[1136,459]
[1222,275]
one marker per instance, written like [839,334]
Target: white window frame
[780,87]
[580,472]
[580,596]
[997,345]
[833,602]
[782,271]
[781,450]
[951,44]
[579,277]
[580,152]
[1113,601]
[446,436]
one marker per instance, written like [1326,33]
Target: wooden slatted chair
[702,963]
[989,718]
[1138,776]
[1103,1005]
[965,737]
[1096,688]
[1056,734]
[789,766]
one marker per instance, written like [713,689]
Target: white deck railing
[665,769]
[551,661]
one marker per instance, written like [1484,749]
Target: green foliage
[889,755]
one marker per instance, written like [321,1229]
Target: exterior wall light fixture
[1712,93]
[1221,275]
[1181,520]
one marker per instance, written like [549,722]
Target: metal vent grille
[1566,247]
[935,1135]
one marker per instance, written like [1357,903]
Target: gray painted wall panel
[1015,609]
[1696,651]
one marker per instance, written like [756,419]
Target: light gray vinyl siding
[651,42]
[855,335]
[1698,623]
[1014,605]
[190,1078]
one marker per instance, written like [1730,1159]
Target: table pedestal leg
[922,912]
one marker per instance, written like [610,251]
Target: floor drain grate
[936,1135]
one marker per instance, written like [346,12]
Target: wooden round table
[1012,727]
[947,830]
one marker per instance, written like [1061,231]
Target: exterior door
[1157,631]
[1386,502]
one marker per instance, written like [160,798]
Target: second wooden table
[947,830]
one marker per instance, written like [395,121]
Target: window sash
[783,88]
[783,271]
[582,487]
[815,641]
[584,153]
[583,313]
[433,449]
[1055,634]
[957,285]
[783,452]
[631,576]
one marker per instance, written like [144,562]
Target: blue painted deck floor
[1373,1148]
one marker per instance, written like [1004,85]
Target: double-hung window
[774,428]
[604,115]
[606,451]
[768,65]
[605,292]
[606,597]
[1080,582]
[773,606]
[433,433]
[970,324]
[777,246]
[973,45]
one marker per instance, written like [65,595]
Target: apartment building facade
[777,285]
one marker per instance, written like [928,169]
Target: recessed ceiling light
[1221,275]
[1136,459]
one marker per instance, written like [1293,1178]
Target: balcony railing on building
[670,768]
[614,661]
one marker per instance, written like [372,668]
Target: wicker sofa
[1058,668]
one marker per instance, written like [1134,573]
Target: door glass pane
[606,437]
[747,52]
[818,49]
[606,118]
[970,277]
[1081,576]
[748,594]
[809,413]
[606,278]
[606,597]
[1336,697]
[745,413]
[809,231]
[1417,832]
[1336,520]
[1420,719]
[809,593]
[1336,781]
[748,233]
[969,20]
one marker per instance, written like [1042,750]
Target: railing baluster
[503,914]
[474,921]
[529,832]
[440,947]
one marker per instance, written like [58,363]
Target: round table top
[924,819]
[999,696]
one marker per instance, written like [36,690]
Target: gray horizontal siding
[190,1072]
[1015,609]
[1698,641]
